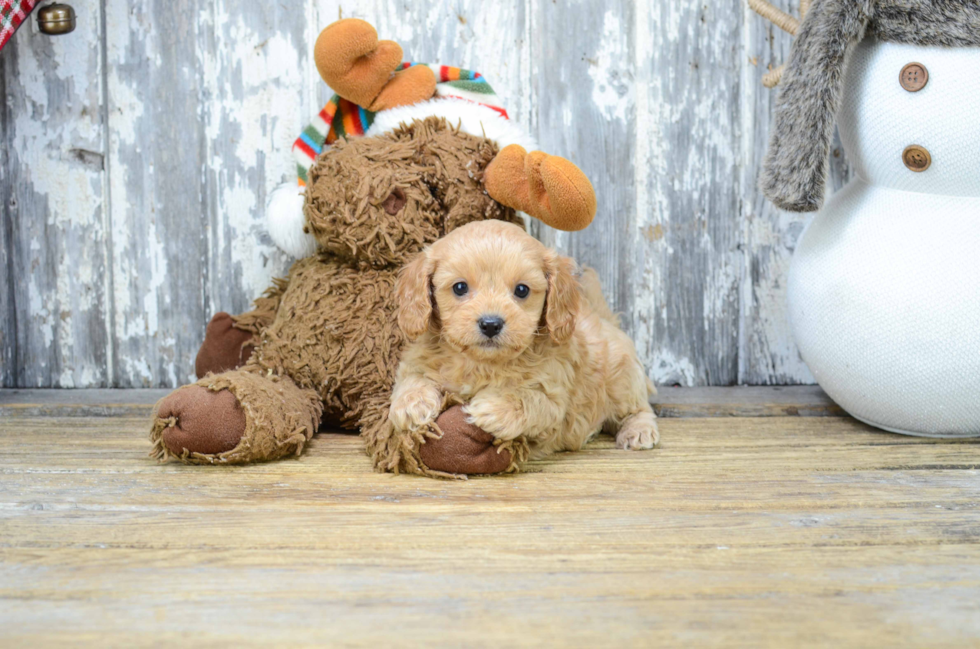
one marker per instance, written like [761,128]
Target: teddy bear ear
[286,221]
[365,71]
[549,188]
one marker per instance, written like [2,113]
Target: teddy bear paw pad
[201,421]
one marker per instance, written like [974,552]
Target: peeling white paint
[650,218]
[265,116]
[609,69]
[41,316]
[667,369]
[55,135]
[721,291]
[158,277]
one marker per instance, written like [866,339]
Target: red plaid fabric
[12,14]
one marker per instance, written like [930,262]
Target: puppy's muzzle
[490,325]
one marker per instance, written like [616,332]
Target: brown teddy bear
[322,346]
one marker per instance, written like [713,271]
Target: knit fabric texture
[878,118]
[12,14]
[343,118]
[882,299]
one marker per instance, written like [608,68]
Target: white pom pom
[284,213]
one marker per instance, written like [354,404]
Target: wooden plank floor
[738,531]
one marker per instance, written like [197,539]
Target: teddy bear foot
[464,449]
[225,347]
[197,421]
[234,418]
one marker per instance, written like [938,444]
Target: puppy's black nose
[491,325]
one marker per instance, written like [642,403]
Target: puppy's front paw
[638,432]
[497,415]
[413,409]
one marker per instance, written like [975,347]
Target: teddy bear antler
[547,187]
[786,23]
[362,69]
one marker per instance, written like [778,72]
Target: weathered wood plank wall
[55,300]
[137,154]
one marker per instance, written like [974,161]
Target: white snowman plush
[884,287]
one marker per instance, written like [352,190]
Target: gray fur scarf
[795,168]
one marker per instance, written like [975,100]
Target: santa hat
[463,97]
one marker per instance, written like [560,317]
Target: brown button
[914,77]
[916,158]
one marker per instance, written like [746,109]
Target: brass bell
[56,19]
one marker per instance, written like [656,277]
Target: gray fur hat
[795,168]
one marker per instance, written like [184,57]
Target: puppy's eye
[522,291]
[460,288]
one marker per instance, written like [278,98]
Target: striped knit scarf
[341,118]
[12,14]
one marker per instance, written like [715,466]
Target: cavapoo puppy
[502,322]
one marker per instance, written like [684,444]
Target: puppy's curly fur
[559,369]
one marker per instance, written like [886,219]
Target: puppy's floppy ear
[562,301]
[413,291]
